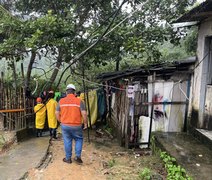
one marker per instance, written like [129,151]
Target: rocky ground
[7,139]
[103,159]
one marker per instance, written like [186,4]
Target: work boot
[37,134]
[69,161]
[50,132]
[54,134]
[78,160]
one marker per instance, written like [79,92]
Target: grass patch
[174,171]
[145,174]
[111,163]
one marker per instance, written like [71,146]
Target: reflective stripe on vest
[63,105]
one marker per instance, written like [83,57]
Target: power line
[201,60]
[105,33]
[102,85]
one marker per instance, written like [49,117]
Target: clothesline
[125,89]
[122,89]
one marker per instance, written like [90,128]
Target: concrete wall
[168,117]
[200,78]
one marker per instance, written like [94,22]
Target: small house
[200,111]
[149,98]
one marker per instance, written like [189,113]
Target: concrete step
[205,136]
[189,152]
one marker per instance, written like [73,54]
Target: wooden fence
[15,110]
[125,113]
[134,117]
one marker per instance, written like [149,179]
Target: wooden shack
[146,99]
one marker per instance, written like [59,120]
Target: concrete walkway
[22,157]
[190,153]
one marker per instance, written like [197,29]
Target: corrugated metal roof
[182,65]
[199,13]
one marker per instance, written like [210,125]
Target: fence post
[1,121]
[24,98]
[152,109]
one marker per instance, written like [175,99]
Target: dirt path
[103,159]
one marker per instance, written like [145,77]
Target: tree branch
[77,57]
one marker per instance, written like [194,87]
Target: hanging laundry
[101,102]
[78,95]
[113,99]
[82,97]
[57,96]
[130,91]
[92,98]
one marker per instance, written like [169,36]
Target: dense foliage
[81,34]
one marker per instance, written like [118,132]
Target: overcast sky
[200,1]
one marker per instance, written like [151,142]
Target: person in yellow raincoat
[40,116]
[52,120]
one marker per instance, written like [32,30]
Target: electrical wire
[102,85]
[183,91]
[36,81]
[46,72]
[141,5]
[7,12]
[41,69]
[105,33]
[201,61]
[121,89]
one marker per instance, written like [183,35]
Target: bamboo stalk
[16,121]
[0,93]
[23,120]
[2,90]
[13,104]
[10,122]
[5,95]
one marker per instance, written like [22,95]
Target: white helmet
[70,86]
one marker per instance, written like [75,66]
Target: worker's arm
[85,119]
[57,113]
[84,114]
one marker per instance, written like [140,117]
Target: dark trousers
[53,132]
[39,132]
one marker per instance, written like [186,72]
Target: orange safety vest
[70,113]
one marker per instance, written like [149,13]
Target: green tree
[190,41]
[90,32]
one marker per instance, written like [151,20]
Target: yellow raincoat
[51,108]
[40,111]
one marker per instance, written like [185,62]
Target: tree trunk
[29,69]
[56,70]
[14,75]
[118,63]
